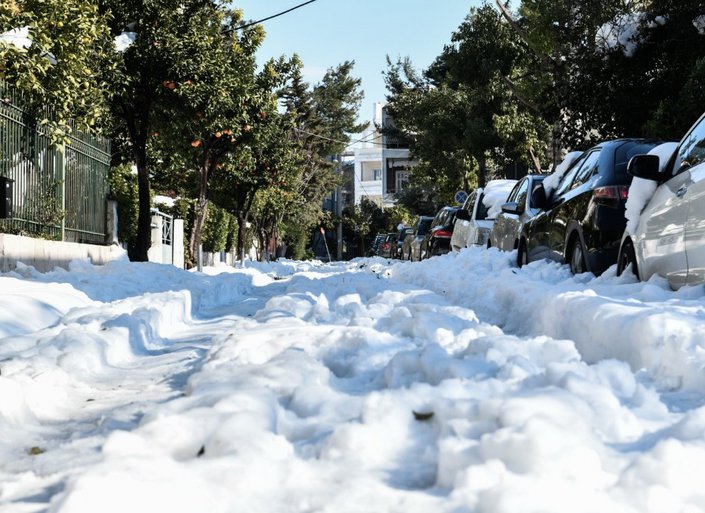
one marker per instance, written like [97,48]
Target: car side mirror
[463,215]
[538,197]
[511,208]
[645,166]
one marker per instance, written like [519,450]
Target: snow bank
[643,324]
[495,195]
[358,386]
[551,181]
[641,190]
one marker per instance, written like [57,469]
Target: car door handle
[681,192]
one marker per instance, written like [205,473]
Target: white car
[668,237]
[473,222]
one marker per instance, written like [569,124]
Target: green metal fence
[58,192]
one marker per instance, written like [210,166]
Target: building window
[371,171]
[402,179]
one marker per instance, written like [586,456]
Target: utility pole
[339,210]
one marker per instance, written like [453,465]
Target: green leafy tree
[58,51]
[362,222]
[459,114]
[587,82]
[216,103]
[323,119]
[260,160]
[179,56]
[123,188]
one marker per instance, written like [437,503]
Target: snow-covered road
[458,384]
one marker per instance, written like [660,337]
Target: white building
[396,163]
[368,161]
[382,162]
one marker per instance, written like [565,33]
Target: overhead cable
[246,25]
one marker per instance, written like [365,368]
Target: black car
[401,237]
[437,240]
[411,248]
[388,247]
[374,248]
[582,221]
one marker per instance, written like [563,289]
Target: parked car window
[587,169]
[469,202]
[520,197]
[440,218]
[481,209]
[424,226]
[692,151]
[515,191]
[564,184]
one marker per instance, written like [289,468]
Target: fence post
[61,157]
[155,253]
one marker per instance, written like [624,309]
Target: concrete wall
[44,255]
[177,242]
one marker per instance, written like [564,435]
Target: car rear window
[626,151]
[424,226]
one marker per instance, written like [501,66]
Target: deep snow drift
[457,384]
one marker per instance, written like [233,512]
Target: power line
[346,143]
[363,139]
[246,25]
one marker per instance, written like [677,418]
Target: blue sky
[328,32]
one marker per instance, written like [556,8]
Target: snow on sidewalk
[458,384]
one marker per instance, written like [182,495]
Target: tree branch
[547,61]
[520,97]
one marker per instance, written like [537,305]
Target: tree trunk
[241,237]
[144,216]
[263,255]
[201,213]
[482,171]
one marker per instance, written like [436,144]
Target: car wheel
[627,257]
[522,254]
[577,257]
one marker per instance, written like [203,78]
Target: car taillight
[443,234]
[612,192]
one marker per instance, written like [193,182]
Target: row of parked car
[577,216]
